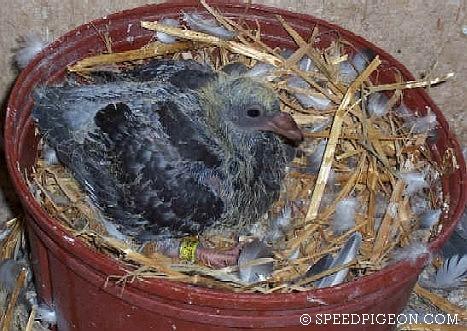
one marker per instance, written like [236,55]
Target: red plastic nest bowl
[70,276]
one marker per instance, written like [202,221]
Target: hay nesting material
[359,154]
[16,289]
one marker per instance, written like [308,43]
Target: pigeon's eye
[253,112]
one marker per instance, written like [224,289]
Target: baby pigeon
[170,148]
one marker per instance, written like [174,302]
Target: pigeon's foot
[218,258]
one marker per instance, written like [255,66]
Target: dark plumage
[170,147]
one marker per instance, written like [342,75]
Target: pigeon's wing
[169,164]
[186,73]
[65,117]
[141,151]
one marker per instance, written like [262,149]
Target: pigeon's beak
[284,125]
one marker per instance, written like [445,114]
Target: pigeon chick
[170,148]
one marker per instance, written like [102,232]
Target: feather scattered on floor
[452,273]
[31,45]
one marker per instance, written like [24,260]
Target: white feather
[421,124]
[319,124]
[350,69]
[403,111]
[306,64]
[419,203]
[347,254]
[377,104]
[344,217]
[332,188]
[315,158]
[429,218]
[411,252]
[261,70]
[31,297]
[4,233]
[49,154]
[30,46]
[202,23]
[164,37]
[315,101]
[45,314]
[284,218]
[393,209]
[279,225]
[360,61]
[250,252]
[414,181]
[452,273]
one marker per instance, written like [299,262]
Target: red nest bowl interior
[70,275]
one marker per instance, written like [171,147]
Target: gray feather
[307,101]
[347,254]
[350,69]
[377,104]
[9,271]
[199,22]
[452,273]
[321,265]
[164,37]
[250,252]
[261,70]
[429,218]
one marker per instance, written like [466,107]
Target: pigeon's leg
[169,247]
[208,256]
[218,258]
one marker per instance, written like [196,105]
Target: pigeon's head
[247,109]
